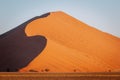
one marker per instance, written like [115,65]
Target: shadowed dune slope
[17,50]
[73,46]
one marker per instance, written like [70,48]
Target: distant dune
[65,44]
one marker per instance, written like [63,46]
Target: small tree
[47,70]
[74,70]
[109,70]
[31,70]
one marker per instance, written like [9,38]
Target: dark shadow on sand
[17,50]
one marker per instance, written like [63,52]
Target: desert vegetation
[32,70]
[42,70]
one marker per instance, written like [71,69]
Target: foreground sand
[59,76]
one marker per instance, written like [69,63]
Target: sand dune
[73,46]
[57,42]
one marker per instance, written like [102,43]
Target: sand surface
[73,46]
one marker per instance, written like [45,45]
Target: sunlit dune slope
[59,58]
[73,46]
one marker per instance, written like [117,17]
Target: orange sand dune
[73,46]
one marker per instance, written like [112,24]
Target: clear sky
[101,14]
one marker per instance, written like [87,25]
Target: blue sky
[101,14]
